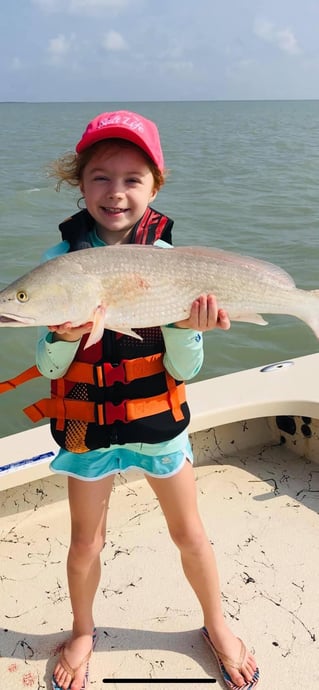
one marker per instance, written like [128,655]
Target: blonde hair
[69,168]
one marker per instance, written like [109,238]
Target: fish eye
[22,296]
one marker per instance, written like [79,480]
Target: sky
[155,50]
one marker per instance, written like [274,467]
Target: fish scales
[123,287]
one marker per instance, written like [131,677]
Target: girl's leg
[177,497]
[88,506]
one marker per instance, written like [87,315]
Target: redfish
[123,287]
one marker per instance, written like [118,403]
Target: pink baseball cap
[123,124]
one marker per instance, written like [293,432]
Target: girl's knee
[86,548]
[189,538]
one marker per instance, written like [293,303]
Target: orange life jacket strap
[104,413]
[173,391]
[27,375]
[106,374]
[101,375]
[59,394]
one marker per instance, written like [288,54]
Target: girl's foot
[71,671]
[237,664]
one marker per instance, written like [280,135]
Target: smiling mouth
[114,211]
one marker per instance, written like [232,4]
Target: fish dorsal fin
[279,275]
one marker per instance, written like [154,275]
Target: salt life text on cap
[123,124]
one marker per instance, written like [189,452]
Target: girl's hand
[205,315]
[69,334]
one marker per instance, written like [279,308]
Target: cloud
[58,49]
[113,41]
[287,42]
[284,39]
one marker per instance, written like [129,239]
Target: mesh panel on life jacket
[75,429]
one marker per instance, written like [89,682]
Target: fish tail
[313,320]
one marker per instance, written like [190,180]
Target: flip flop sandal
[72,671]
[223,659]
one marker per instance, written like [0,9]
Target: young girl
[119,168]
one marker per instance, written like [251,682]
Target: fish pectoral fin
[99,325]
[250,318]
[97,329]
[123,329]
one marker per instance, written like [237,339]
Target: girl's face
[117,185]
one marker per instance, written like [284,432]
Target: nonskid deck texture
[260,510]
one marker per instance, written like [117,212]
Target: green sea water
[243,177]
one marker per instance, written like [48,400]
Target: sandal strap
[72,671]
[230,662]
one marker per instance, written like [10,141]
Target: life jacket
[117,391]
[151,227]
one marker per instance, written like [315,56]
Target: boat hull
[258,489]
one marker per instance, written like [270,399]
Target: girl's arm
[54,358]
[183,341]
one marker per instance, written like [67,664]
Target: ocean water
[244,176]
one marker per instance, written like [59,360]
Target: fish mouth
[14,319]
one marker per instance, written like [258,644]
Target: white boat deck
[258,490]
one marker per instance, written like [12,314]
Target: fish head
[47,296]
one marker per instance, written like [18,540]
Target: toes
[76,685]
[62,679]
[80,682]
[250,668]
[238,679]
[243,677]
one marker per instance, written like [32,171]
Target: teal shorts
[157,460]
